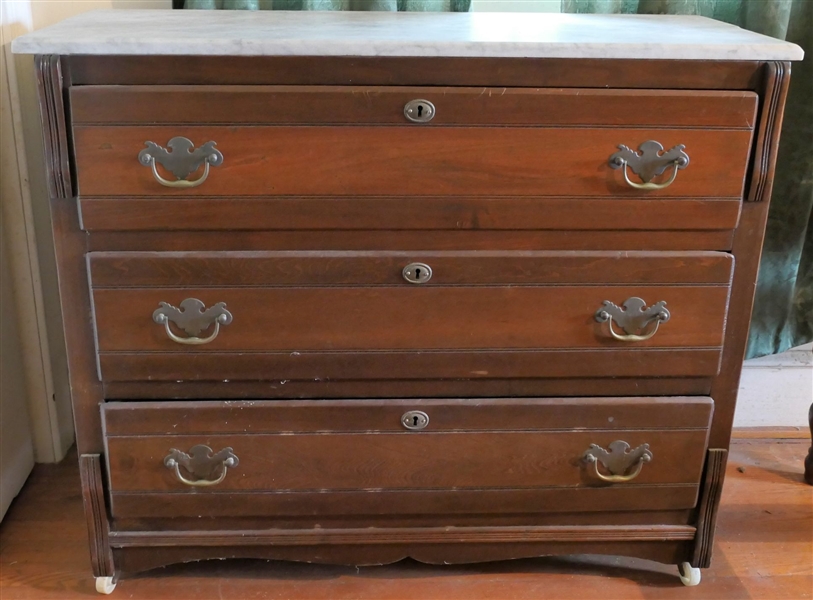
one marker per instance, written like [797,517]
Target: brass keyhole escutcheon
[417,273]
[415,419]
[419,111]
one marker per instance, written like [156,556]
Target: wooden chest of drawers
[351,309]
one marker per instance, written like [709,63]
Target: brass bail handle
[650,185]
[649,162]
[201,462]
[182,159]
[180,183]
[621,461]
[193,317]
[633,316]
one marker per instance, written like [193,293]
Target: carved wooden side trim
[709,502]
[404,535]
[54,130]
[70,244]
[774,94]
[101,558]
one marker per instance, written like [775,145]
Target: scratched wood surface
[401,161]
[763,550]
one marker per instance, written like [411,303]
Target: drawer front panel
[403,161]
[352,315]
[310,462]
[407,373]
[222,269]
[191,104]
[317,452]
[136,419]
[417,215]
[395,318]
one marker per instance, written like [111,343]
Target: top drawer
[351,105]
[353,141]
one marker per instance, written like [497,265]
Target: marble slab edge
[365,34]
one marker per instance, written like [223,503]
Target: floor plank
[763,550]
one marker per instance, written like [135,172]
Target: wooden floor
[764,550]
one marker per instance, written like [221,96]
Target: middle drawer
[407,315]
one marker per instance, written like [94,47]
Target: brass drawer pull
[419,111]
[633,317]
[193,317]
[183,160]
[649,163]
[206,468]
[618,460]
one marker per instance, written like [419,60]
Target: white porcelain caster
[105,585]
[689,575]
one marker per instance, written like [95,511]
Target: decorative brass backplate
[202,463]
[193,317]
[621,463]
[633,317]
[650,161]
[181,160]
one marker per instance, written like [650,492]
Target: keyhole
[419,111]
[414,421]
[417,276]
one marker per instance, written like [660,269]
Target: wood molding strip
[403,535]
[766,146]
[134,560]
[71,246]
[54,130]
[421,71]
[709,502]
[101,557]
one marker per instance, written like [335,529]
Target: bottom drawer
[370,457]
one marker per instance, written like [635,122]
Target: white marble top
[278,33]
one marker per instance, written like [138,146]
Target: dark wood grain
[425,460]
[486,72]
[292,416]
[70,244]
[582,513]
[396,214]
[219,269]
[315,446]
[413,388]
[766,146]
[326,239]
[141,559]
[409,317]
[93,498]
[712,491]
[384,160]
[391,367]
[54,128]
[747,249]
[413,535]
[162,510]
[178,104]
